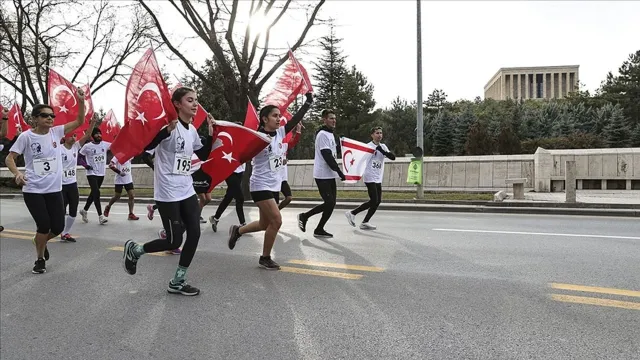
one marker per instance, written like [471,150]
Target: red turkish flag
[88,113]
[234,146]
[251,118]
[148,108]
[201,114]
[293,82]
[110,127]
[15,122]
[63,98]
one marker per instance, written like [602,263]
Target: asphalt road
[423,286]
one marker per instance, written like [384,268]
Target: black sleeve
[298,116]
[205,150]
[147,159]
[390,155]
[331,161]
[163,134]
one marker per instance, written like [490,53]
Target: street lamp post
[419,131]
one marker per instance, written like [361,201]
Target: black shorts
[127,187]
[264,195]
[201,182]
[285,189]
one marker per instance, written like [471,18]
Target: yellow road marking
[121,248]
[332,274]
[20,232]
[22,237]
[595,301]
[336,266]
[595,289]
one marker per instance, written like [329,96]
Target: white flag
[355,157]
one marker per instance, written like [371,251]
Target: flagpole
[419,130]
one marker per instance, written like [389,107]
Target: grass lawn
[312,194]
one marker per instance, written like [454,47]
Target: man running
[373,180]
[122,179]
[70,195]
[96,154]
[325,169]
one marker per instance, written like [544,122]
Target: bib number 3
[182,165]
[43,167]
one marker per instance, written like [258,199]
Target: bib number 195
[183,166]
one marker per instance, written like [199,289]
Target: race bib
[69,173]
[125,170]
[276,163]
[376,165]
[44,167]
[98,159]
[182,164]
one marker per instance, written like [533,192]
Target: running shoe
[266,263]
[133,217]
[322,234]
[103,220]
[107,209]
[162,234]
[150,212]
[130,259]
[214,223]
[67,237]
[40,267]
[182,288]
[202,220]
[1,228]
[302,222]
[234,235]
[83,213]
[367,226]
[174,251]
[46,250]
[350,218]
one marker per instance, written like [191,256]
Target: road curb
[482,207]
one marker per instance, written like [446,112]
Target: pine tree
[635,137]
[330,72]
[508,142]
[602,119]
[442,139]
[617,132]
[463,124]
[354,106]
[479,142]
[582,117]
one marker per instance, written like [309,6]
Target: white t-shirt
[375,167]
[124,169]
[240,168]
[172,175]
[321,170]
[43,160]
[285,171]
[69,163]
[96,155]
[266,174]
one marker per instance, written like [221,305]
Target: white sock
[68,223]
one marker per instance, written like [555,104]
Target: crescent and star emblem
[344,159]
[60,88]
[218,143]
[18,125]
[151,86]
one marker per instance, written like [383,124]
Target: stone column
[544,85]
[570,181]
[519,86]
[527,84]
[502,87]
[560,92]
[543,166]
[553,84]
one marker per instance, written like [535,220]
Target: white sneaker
[83,213]
[103,220]
[350,218]
[367,226]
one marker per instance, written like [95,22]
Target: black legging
[177,216]
[328,191]
[47,211]
[234,191]
[375,198]
[71,197]
[94,182]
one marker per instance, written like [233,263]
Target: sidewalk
[533,205]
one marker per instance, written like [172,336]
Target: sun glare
[258,24]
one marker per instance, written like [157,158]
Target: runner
[325,169]
[122,179]
[373,180]
[285,189]
[234,191]
[201,182]
[70,195]
[42,180]
[96,154]
[173,190]
[266,179]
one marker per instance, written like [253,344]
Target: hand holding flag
[355,157]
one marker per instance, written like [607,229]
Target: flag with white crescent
[63,98]
[16,122]
[355,157]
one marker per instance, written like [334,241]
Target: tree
[442,139]
[624,89]
[508,142]
[635,137]
[36,35]
[479,142]
[437,99]
[617,132]
[463,124]
[400,126]
[355,105]
[330,71]
[211,93]
[581,117]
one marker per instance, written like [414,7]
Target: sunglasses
[47,115]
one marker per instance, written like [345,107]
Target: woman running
[373,180]
[122,179]
[173,190]
[266,179]
[234,191]
[201,182]
[96,154]
[42,180]
[70,195]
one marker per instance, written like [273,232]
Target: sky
[463,43]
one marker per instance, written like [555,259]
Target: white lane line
[539,233]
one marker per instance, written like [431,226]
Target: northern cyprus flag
[355,157]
